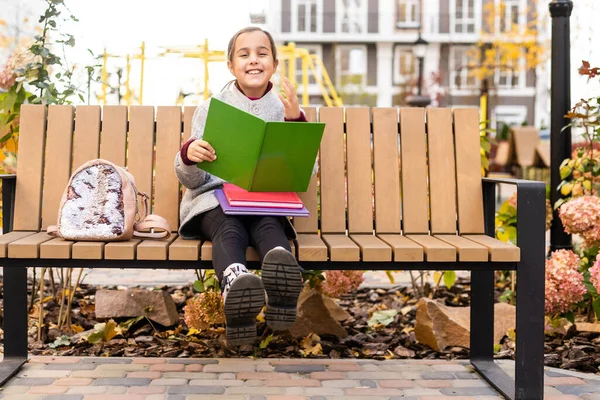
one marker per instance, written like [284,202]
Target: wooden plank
[386,166]
[309,198]
[413,146]
[153,249]
[141,147]
[442,172]
[9,238]
[86,140]
[404,249]
[358,164]
[341,248]
[87,250]
[498,250]
[467,249]
[28,196]
[56,248]
[435,249]
[188,114]
[57,161]
[372,248]
[526,140]
[113,140]
[121,250]
[333,187]
[29,246]
[184,249]
[206,252]
[311,248]
[166,185]
[468,171]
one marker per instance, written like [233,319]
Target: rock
[337,312]
[314,317]
[133,302]
[403,352]
[440,326]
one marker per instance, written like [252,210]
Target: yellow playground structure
[310,64]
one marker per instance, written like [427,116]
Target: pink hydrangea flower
[564,283]
[341,282]
[581,215]
[595,274]
[17,62]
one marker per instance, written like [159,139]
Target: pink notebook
[239,197]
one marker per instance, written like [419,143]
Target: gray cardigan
[200,194]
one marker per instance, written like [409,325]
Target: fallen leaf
[383,317]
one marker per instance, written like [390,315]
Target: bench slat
[10,237]
[442,173]
[360,190]
[56,248]
[341,248]
[404,249]
[372,248]
[413,146]
[188,114]
[141,147]
[57,161]
[333,187]
[29,246]
[311,248]
[467,249]
[184,250]
[468,171]
[435,249]
[152,249]
[386,166]
[166,185]
[87,250]
[28,196]
[86,140]
[309,198]
[499,250]
[113,140]
[251,253]
[121,250]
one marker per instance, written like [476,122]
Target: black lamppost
[560,141]
[419,51]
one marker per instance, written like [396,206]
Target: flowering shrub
[564,283]
[595,274]
[341,282]
[581,215]
[506,219]
[203,310]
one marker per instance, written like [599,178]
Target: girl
[252,59]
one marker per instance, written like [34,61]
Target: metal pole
[560,143]
[420,89]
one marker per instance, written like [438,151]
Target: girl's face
[252,63]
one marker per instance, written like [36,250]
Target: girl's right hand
[201,150]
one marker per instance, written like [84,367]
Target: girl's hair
[248,29]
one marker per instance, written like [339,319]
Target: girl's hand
[201,150]
[291,109]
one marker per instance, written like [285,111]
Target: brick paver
[247,379]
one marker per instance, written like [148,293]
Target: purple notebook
[231,210]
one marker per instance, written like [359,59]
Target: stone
[133,302]
[337,312]
[315,317]
[440,326]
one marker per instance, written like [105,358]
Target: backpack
[100,203]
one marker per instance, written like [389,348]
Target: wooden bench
[399,189]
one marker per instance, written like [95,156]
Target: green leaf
[265,343]
[64,340]
[210,282]
[199,286]
[6,137]
[383,317]
[596,306]
[449,278]
[570,317]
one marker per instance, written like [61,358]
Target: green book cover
[260,156]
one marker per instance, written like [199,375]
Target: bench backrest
[386,170]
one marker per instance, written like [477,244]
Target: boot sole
[243,303]
[282,279]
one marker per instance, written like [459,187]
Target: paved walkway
[70,378]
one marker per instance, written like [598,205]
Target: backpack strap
[150,226]
[52,230]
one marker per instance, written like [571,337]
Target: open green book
[260,156]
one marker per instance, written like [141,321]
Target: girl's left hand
[291,109]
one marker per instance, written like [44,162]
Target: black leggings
[231,235]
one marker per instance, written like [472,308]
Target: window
[509,15]
[464,16]
[353,16]
[351,62]
[306,16]
[405,65]
[312,49]
[407,13]
[461,77]
[510,76]
[509,116]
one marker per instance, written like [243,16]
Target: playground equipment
[311,64]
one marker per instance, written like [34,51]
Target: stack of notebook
[237,201]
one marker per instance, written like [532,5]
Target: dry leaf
[77,328]
[311,346]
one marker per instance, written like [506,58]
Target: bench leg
[15,322]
